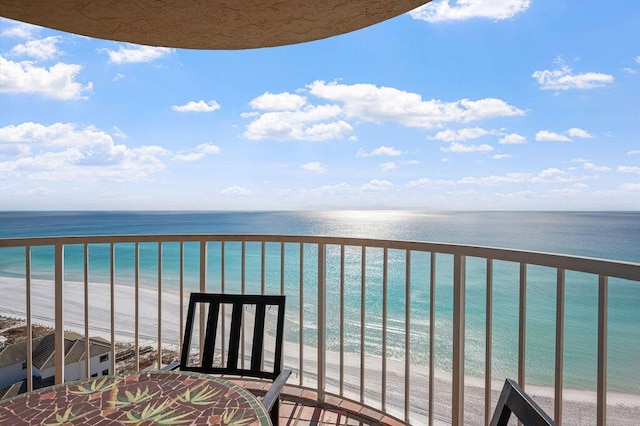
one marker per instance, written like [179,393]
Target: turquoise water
[611,235]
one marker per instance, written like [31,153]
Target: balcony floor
[300,406]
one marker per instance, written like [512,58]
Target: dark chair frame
[261,302]
[514,400]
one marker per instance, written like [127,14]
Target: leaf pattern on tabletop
[131,398]
[205,396]
[160,413]
[229,418]
[142,398]
[69,416]
[99,385]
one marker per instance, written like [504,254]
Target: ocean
[607,235]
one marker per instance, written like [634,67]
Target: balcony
[384,331]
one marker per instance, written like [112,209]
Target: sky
[457,105]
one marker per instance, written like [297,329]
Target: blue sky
[458,105]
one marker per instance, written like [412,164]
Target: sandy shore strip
[13,303]
[578,406]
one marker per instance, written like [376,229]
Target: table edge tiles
[138,398]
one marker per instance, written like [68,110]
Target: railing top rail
[611,268]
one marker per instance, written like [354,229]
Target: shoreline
[575,402]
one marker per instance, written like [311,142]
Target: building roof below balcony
[207,24]
[44,350]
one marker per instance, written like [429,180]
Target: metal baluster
[28,329]
[488,344]
[603,301]
[59,311]
[560,289]
[87,368]
[457,407]
[322,296]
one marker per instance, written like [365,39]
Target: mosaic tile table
[143,398]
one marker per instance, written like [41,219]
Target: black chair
[514,400]
[233,367]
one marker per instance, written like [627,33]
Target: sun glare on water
[382,224]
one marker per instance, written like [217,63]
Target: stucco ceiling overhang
[206,24]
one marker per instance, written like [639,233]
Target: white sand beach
[578,408]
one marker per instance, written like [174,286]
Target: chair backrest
[264,305]
[514,400]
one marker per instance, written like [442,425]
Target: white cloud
[591,166]
[314,166]
[634,152]
[188,157]
[388,167]
[293,117]
[458,10]
[382,150]
[579,133]
[501,156]
[15,149]
[512,138]
[461,134]
[494,180]
[387,104]
[57,82]
[487,108]
[118,77]
[278,102]
[552,174]
[200,106]
[39,190]
[208,148]
[422,182]
[199,152]
[631,187]
[314,123]
[587,165]
[132,53]
[324,131]
[563,78]
[18,29]
[67,152]
[574,132]
[549,175]
[545,135]
[119,133]
[374,185]
[426,182]
[386,150]
[638,59]
[41,49]
[377,185]
[629,169]
[341,188]
[461,148]
[237,191]
[630,70]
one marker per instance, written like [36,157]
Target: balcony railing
[404,327]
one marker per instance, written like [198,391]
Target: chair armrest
[514,400]
[274,391]
[171,366]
